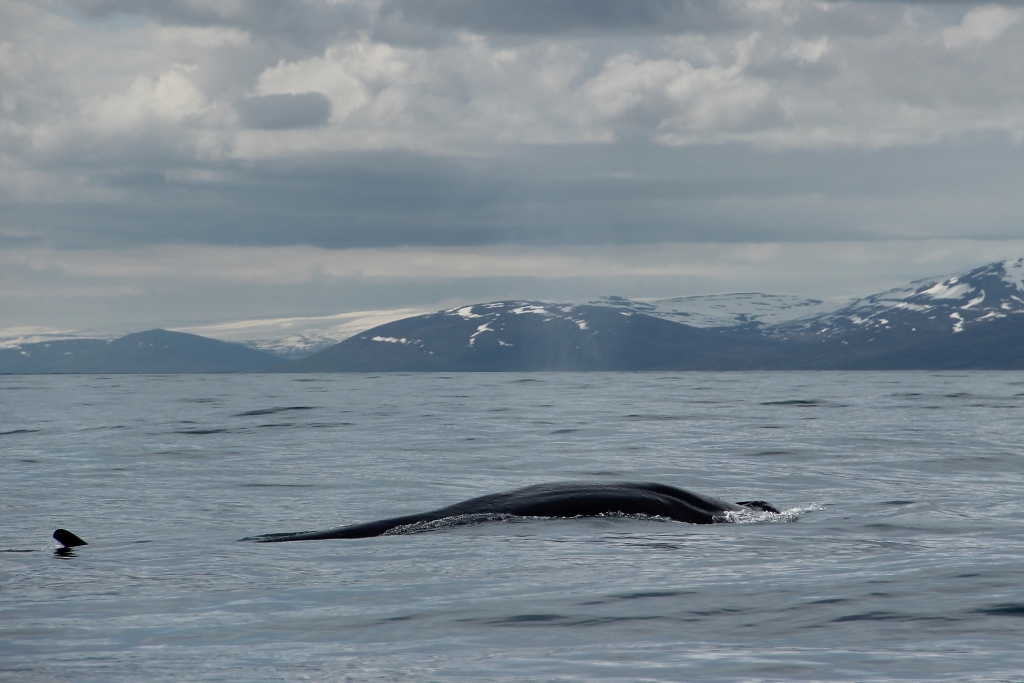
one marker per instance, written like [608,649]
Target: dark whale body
[568,499]
[67,539]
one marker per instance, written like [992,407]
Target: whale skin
[564,499]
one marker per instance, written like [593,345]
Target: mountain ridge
[153,351]
[965,321]
[971,320]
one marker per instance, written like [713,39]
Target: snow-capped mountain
[534,335]
[493,317]
[724,310]
[16,337]
[951,304]
[297,337]
[965,321]
[971,320]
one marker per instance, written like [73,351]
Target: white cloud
[772,86]
[199,37]
[167,99]
[808,51]
[329,74]
[979,26]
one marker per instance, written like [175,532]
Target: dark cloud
[598,194]
[312,23]
[289,110]
[306,22]
[299,22]
[558,16]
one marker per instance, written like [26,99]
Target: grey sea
[899,555]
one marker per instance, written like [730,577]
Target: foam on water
[764,517]
[450,523]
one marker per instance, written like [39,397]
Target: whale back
[561,499]
[585,499]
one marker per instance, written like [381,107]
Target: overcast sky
[165,162]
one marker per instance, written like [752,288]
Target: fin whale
[567,499]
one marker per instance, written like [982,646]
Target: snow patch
[958,326]
[14,337]
[530,308]
[975,302]
[912,307]
[480,330]
[724,310]
[298,337]
[467,313]
[950,289]
[1013,273]
[396,340]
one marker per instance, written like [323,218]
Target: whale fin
[760,505]
[67,539]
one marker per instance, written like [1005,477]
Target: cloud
[310,24]
[448,122]
[542,195]
[285,110]
[718,266]
[787,74]
[979,26]
[553,16]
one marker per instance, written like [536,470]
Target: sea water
[899,556]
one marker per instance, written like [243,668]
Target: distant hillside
[155,351]
[517,335]
[974,320]
[951,305]
[970,321]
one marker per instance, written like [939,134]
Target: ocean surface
[899,554]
